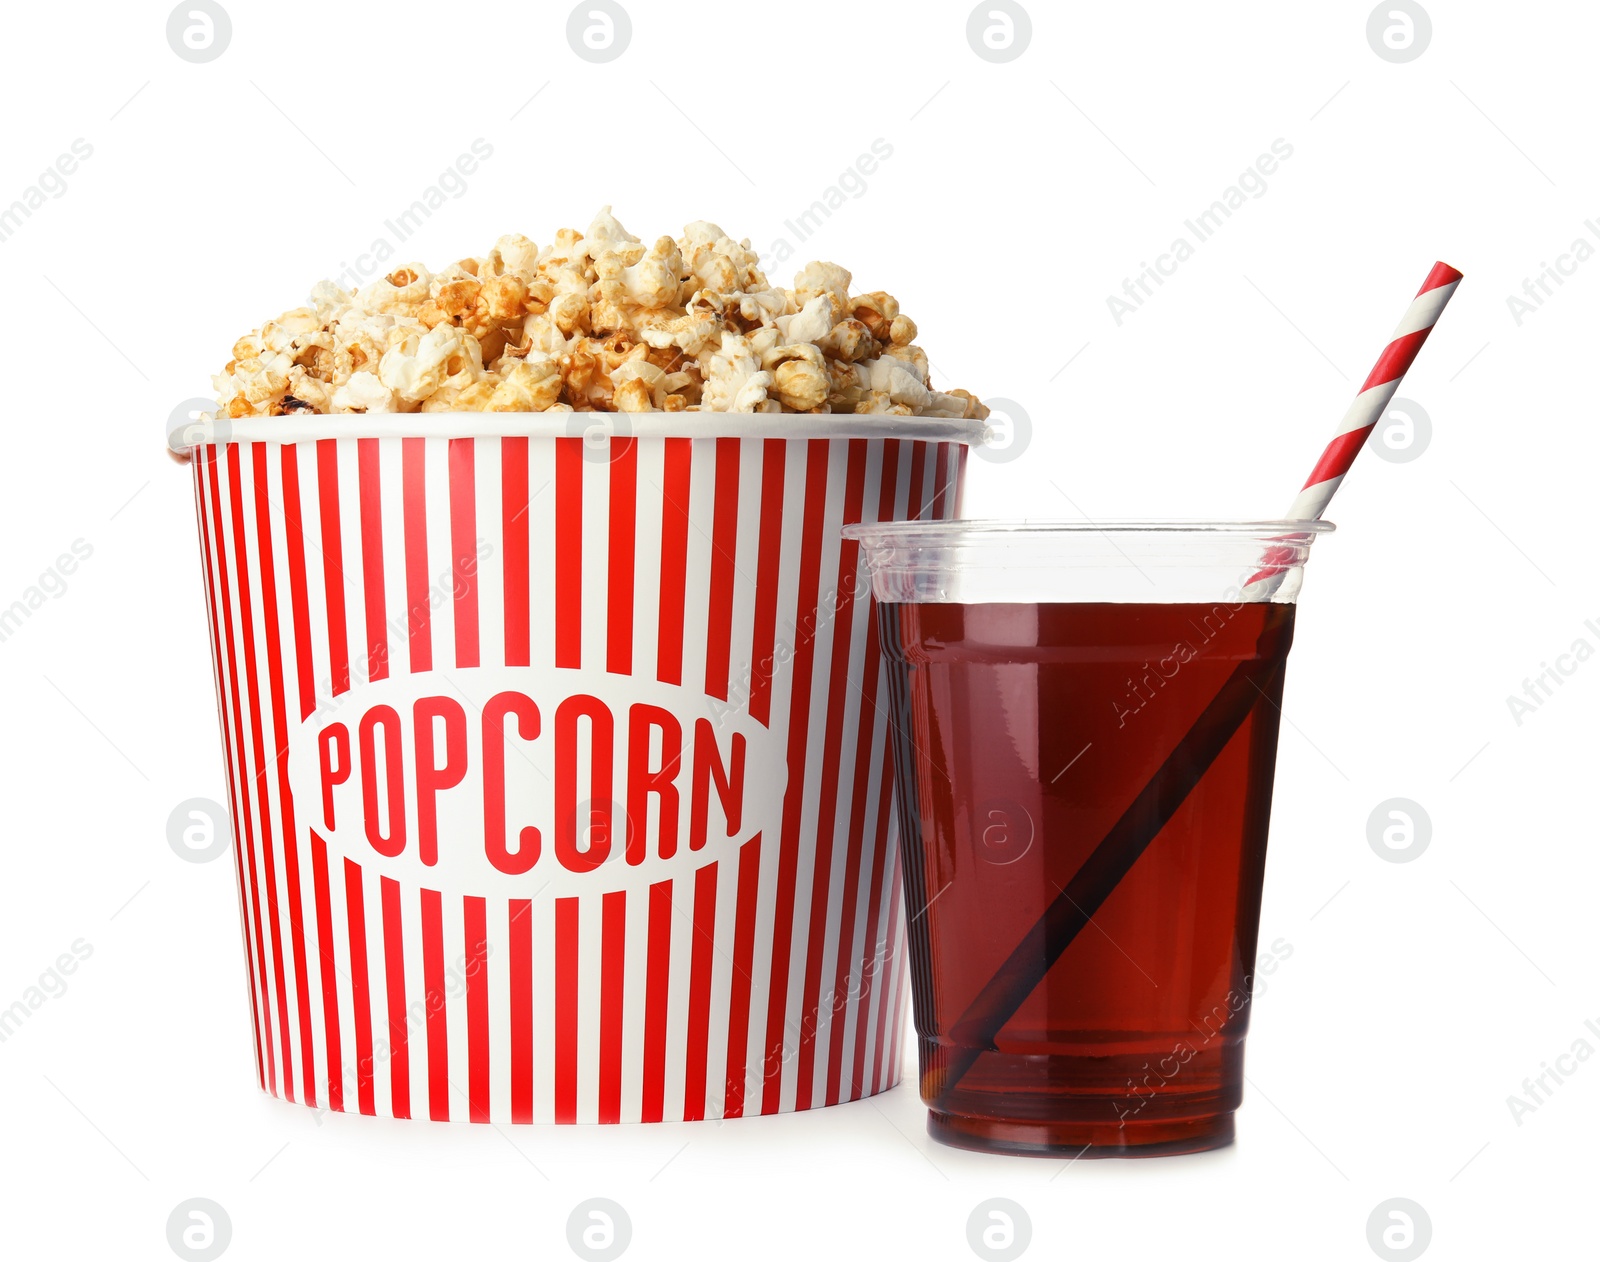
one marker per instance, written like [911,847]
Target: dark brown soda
[1023,733]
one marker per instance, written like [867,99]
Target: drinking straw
[1364,412]
[977,1028]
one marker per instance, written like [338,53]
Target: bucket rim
[311,426]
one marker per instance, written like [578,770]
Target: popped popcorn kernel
[532,386]
[824,279]
[800,385]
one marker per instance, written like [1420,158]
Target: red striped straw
[1364,412]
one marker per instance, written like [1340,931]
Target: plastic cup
[1085,721]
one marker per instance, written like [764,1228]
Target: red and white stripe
[1365,411]
[764,981]
[1381,383]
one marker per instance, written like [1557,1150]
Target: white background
[1419,995]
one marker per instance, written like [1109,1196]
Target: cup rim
[945,532]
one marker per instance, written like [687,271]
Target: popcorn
[532,386]
[824,279]
[514,253]
[329,299]
[418,366]
[800,384]
[735,381]
[280,334]
[718,262]
[638,386]
[363,393]
[900,381]
[594,320]
[401,292]
[811,323]
[849,340]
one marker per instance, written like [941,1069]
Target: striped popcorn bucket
[557,758]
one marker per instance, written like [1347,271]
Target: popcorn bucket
[557,755]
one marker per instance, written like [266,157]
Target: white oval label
[500,781]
